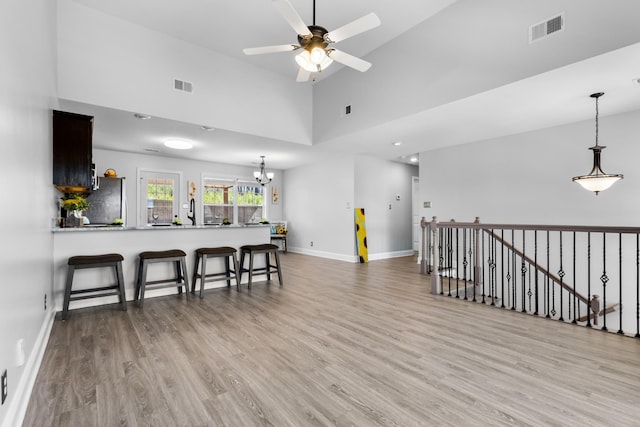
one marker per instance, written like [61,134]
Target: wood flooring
[339,344]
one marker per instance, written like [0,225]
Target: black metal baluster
[465,261]
[472,257]
[561,274]
[484,276]
[588,325]
[502,266]
[441,234]
[450,257]
[620,280]
[576,315]
[457,263]
[547,305]
[523,268]
[604,279]
[535,258]
[514,301]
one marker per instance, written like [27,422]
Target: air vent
[183,86]
[546,28]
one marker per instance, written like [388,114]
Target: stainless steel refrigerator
[108,202]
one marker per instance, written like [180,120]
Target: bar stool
[202,254]
[266,249]
[94,261]
[175,256]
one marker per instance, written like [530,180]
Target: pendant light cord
[597,98]
[314,12]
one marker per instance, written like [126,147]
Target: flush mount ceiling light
[262,176]
[141,116]
[597,180]
[397,143]
[178,144]
[314,41]
[207,128]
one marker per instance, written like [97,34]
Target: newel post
[477,263]
[423,242]
[435,257]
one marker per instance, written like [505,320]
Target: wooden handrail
[538,267]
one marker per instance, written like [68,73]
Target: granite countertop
[102,228]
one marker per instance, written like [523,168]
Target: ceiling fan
[314,40]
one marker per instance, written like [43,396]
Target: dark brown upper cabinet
[72,152]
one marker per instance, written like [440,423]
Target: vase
[74,219]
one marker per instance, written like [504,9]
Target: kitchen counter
[108,227]
[130,241]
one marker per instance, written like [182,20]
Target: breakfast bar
[130,241]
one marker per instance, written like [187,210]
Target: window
[159,192]
[250,202]
[218,198]
[238,201]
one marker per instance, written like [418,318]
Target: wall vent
[183,86]
[546,28]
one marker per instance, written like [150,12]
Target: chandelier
[262,176]
[597,180]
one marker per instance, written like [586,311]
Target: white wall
[413,73]
[110,62]
[27,95]
[127,164]
[318,202]
[377,185]
[526,178]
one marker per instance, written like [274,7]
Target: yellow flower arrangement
[74,202]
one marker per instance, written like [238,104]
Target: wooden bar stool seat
[180,278]
[267,249]
[202,254]
[94,261]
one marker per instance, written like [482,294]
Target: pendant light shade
[597,180]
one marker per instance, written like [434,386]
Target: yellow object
[110,173]
[361,235]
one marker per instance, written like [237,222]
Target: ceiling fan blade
[270,49]
[349,60]
[303,75]
[291,16]
[358,26]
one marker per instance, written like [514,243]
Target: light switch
[427,204]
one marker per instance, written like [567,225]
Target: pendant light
[262,176]
[597,180]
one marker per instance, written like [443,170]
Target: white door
[159,197]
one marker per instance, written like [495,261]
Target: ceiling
[551,96]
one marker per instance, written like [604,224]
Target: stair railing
[576,274]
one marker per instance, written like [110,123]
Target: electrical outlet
[3,385]
[45,302]
[311,244]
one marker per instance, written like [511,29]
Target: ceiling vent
[546,28]
[182,86]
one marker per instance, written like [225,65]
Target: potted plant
[74,204]
[225,221]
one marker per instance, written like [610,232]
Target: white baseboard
[351,258]
[18,408]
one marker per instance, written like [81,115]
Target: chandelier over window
[262,176]
[597,180]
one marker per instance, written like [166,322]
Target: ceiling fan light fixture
[305,60]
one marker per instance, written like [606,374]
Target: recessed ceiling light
[395,144]
[141,116]
[207,128]
[413,159]
[178,144]
[152,150]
